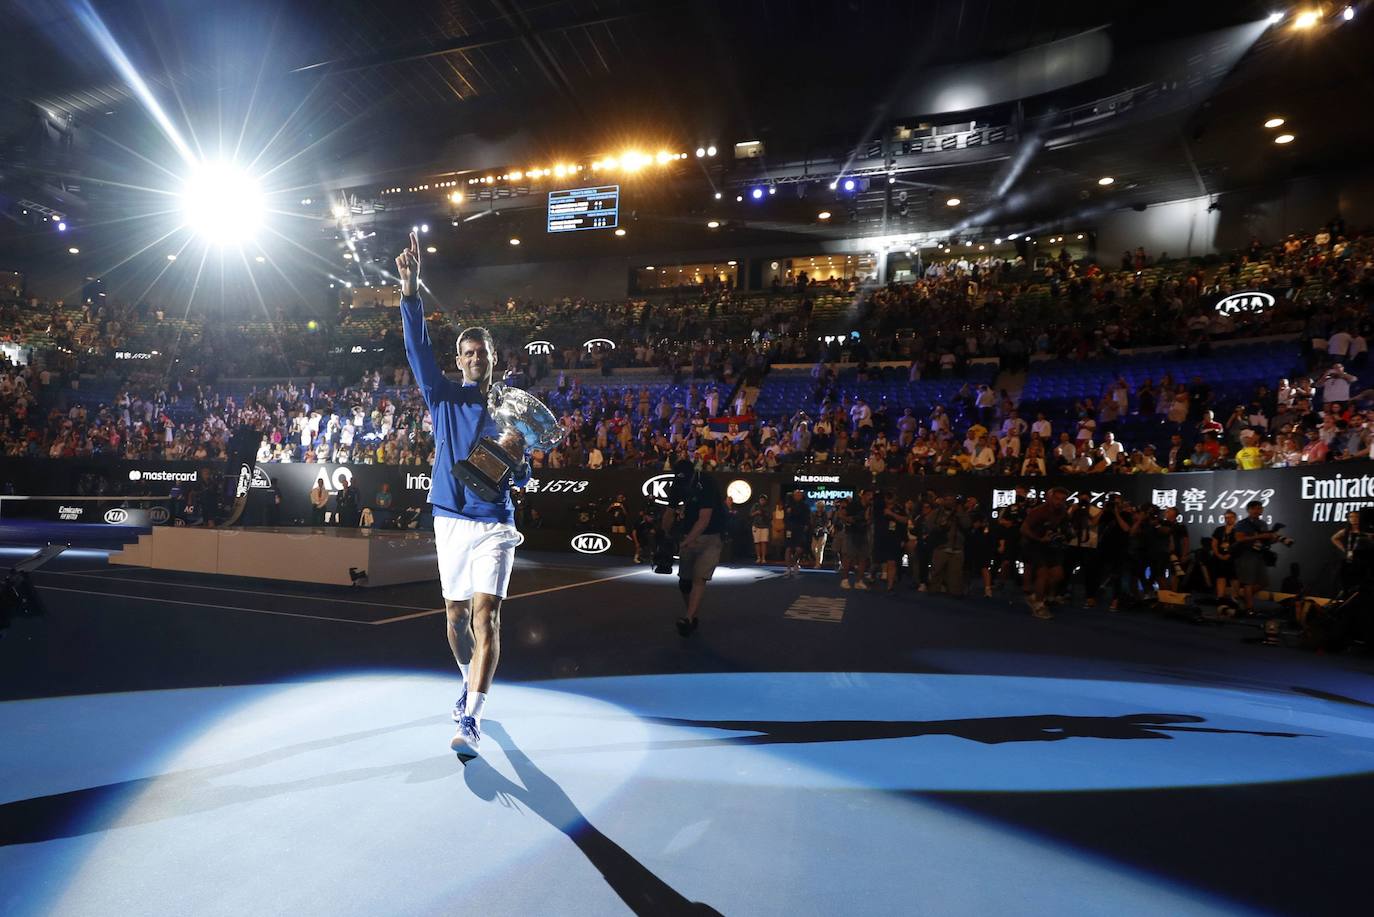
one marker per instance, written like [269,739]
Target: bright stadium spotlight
[701,151]
[710,151]
[222,204]
[1348,13]
[620,231]
[1106,180]
[756,194]
[74,250]
[430,249]
[1273,123]
[61,227]
[1307,19]
[1274,18]
[713,224]
[849,184]
[171,257]
[1284,138]
[823,215]
[952,202]
[717,195]
[514,241]
[424,227]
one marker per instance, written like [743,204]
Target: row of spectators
[965,309]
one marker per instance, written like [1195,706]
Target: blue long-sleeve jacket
[460,416]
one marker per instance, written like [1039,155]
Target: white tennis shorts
[474,556]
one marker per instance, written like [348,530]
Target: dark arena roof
[911,458]
[1166,99]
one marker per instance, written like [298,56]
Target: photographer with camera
[703,517]
[1354,544]
[1222,560]
[642,534]
[948,527]
[1254,551]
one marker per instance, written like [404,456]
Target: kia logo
[592,344]
[117,516]
[159,515]
[537,348]
[591,543]
[656,488]
[1237,303]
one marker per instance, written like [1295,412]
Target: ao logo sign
[338,480]
[656,488]
[117,516]
[1238,303]
[591,543]
[537,348]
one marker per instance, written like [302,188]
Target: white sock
[463,667]
[476,700]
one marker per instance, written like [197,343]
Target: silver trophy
[525,423]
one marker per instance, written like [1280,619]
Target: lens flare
[222,204]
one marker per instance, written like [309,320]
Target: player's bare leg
[458,622]
[485,631]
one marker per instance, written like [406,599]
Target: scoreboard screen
[584,208]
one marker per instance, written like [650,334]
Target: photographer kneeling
[703,516]
[1253,552]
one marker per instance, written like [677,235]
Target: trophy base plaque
[486,469]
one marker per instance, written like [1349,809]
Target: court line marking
[151,598]
[280,595]
[509,598]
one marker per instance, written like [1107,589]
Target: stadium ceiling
[368,93]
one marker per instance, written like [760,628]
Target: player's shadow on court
[641,890]
[991,730]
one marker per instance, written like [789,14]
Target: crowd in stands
[79,397]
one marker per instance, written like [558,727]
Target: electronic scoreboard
[584,208]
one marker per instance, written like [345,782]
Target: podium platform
[303,555]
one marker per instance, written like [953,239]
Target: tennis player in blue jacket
[475,539]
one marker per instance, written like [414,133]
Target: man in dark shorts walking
[704,518]
[856,517]
[1042,547]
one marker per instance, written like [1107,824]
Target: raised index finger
[414,244]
